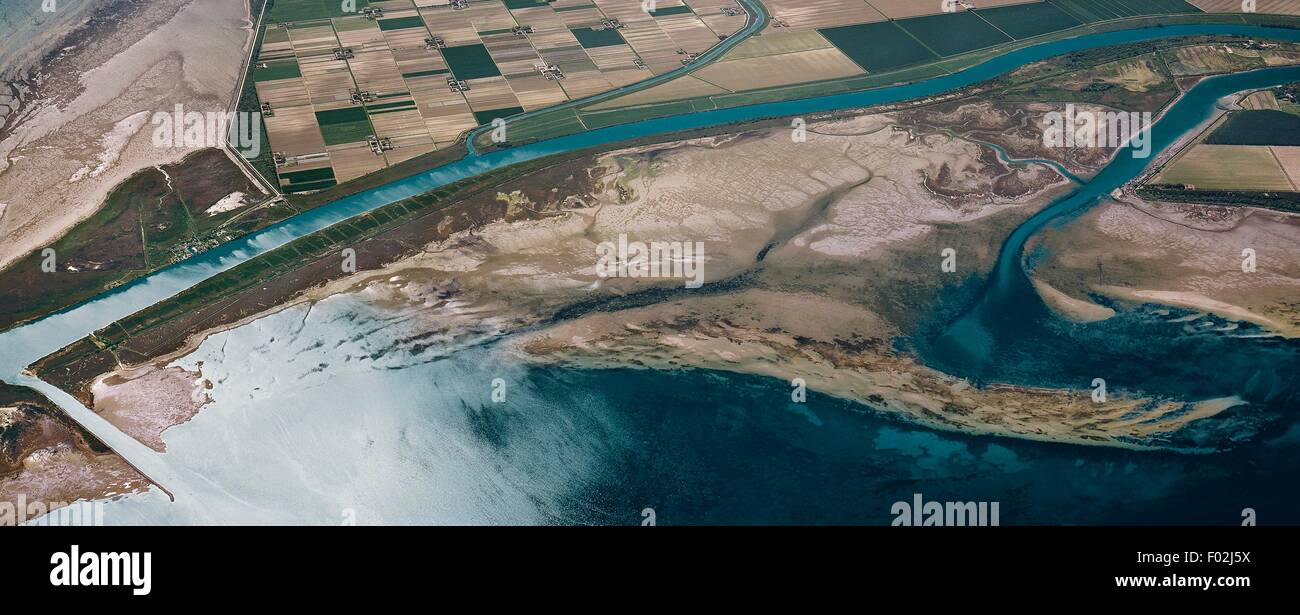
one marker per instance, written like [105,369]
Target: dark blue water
[702,447]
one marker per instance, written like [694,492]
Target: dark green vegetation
[590,38]
[1280,201]
[1026,20]
[264,163]
[400,23]
[389,106]
[304,10]
[878,46]
[524,4]
[949,34]
[470,62]
[146,223]
[277,69]
[1262,127]
[346,125]
[486,117]
[310,179]
[1288,98]
[671,10]
[1101,10]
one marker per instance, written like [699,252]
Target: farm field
[1101,10]
[878,46]
[345,94]
[949,34]
[1228,167]
[1261,127]
[1289,158]
[599,45]
[780,58]
[1280,7]
[1027,20]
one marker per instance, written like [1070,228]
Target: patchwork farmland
[423,72]
[344,94]
[810,41]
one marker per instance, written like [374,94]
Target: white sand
[230,202]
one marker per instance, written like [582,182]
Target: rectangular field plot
[346,125]
[816,14]
[1265,127]
[334,78]
[470,62]
[712,14]
[949,34]
[486,117]
[589,38]
[274,70]
[878,47]
[313,176]
[304,10]
[1100,10]
[779,58]
[1289,157]
[1227,167]
[903,9]
[1026,20]
[1278,7]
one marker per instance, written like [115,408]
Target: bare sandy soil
[144,403]
[845,351]
[84,126]
[817,254]
[1190,256]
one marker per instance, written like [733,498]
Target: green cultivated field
[590,38]
[303,10]
[1026,20]
[1100,10]
[486,117]
[277,69]
[1227,167]
[878,46]
[401,23]
[311,179]
[470,62]
[1264,127]
[949,34]
[671,10]
[347,125]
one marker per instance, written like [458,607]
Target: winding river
[715,452]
